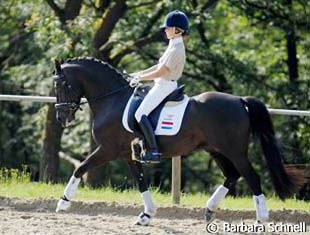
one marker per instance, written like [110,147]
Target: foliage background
[258,48]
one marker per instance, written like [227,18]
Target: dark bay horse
[215,122]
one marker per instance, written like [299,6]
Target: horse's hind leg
[231,174]
[149,206]
[95,159]
[246,170]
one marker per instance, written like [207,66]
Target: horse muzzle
[62,119]
[64,114]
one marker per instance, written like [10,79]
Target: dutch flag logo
[167,124]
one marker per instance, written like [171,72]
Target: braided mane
[80,60]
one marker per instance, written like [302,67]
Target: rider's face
[170,32]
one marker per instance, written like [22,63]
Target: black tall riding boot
[152,155]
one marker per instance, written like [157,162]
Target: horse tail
[285,183]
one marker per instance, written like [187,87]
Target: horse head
[68,96]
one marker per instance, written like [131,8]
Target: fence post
[176,180]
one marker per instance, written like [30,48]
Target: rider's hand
[134,81]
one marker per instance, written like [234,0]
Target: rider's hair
[178,31]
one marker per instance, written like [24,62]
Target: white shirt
[174,59]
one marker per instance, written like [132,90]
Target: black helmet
[177,19]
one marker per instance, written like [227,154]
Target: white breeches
[161,89]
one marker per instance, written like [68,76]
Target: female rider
[165,75]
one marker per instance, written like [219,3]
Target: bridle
[70,93]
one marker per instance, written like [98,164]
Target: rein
[100,97]
[126,77]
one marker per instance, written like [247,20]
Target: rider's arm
[151,69]
[169,63]
[157,73]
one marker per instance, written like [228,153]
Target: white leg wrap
[149,206]
[64,203]
[71,187]
[144,218]
[262,213]
[216,197]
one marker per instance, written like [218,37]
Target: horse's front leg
[95,159]
[149,211]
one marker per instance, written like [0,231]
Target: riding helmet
[177,19]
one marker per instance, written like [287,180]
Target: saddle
[139,94]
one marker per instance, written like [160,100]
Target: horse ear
[57,67]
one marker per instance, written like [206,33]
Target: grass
[16,183]
[22,189]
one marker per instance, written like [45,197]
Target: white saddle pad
[170,118]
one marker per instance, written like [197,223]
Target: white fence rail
[290,112]
[50,99]
[30,98]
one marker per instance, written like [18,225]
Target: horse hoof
[62,205]
[209,215]
[143,219]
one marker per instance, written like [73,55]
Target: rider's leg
[156,95]
[152,154]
